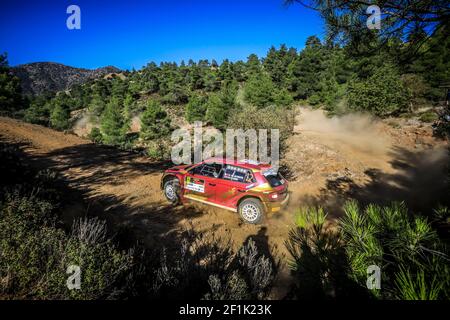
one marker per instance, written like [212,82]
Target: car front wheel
[251,211]
[172,191]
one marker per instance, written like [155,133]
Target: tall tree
[306,68]
[59,117]
[155,123]
[219,106]
[253,65]
[346,19]
[10,91]
[196,108]
[113,124]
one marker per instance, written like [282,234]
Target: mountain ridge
[39,77]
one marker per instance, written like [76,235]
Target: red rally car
[249,188]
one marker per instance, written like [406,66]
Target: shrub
[326,263]
[59,117]
[102,265]
[319,264]
[417,89]
[428,116]
[35,254]
[38,114]
[159,149]
[382,94]
[268,118]
[256,268]
[219,106]
[206,267]
[95,135]
[392,238]
[283,98]
[35,251]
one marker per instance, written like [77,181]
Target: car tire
[172,191]
[251,211]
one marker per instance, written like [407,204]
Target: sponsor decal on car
[195,184]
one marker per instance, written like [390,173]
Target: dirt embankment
[331,159]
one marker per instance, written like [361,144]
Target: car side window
[197,169]
[237,174]
[208,170]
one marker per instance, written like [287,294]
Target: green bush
[35,254]
[318,260]
[334,262]
[158,149]
[95,135]
[382,94]
[406,248]
[250,117]
[59,118]
[38,114]
[428,116]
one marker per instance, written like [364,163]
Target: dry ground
[330,160]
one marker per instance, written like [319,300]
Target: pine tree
[59,117]
[113,124]
[97,104]
[196,108]
[253,65]
[155,123]
[259,90]
[382,94]
[238,71]
[307,68]
[277,63]
[216,112]
[10,91]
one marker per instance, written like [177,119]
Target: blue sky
[130,33]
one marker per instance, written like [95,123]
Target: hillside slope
[39,77]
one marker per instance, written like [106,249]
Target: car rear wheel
[172,191]
[251,211]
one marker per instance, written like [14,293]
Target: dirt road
[330,160]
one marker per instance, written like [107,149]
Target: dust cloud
[83,125]
[354,132]
[333,159]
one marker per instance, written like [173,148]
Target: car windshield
[273,177]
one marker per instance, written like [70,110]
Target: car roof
[245,163]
